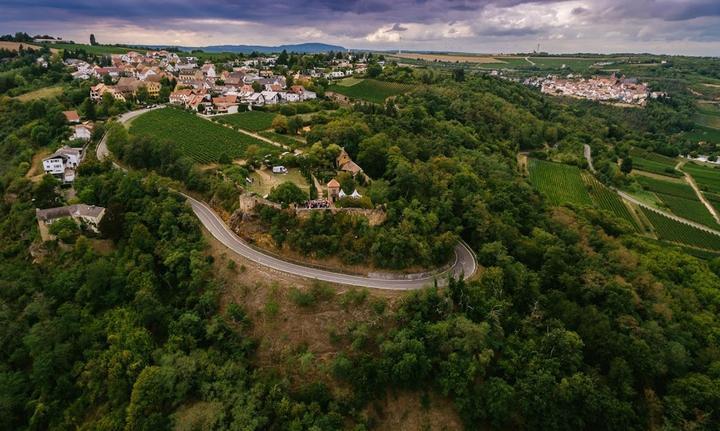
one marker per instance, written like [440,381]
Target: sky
[485,26]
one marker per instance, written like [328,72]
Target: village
[599,88]
[206,87]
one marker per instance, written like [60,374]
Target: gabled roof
[72,116]
[333,183]
[77,210]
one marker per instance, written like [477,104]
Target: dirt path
[690,180]
[318,187]
[522,161]
[587,151]
[529,61]
[35,173]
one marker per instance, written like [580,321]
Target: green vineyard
[371,90]
[250,120]
[655,163]
[558,183]
[202,140]
[608,200]
[680,198]
[671,230]
[707,178]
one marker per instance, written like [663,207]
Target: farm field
[253,121]
[41,93]
[559,183]
[449,57]
[202,140]
[608,200]
[680,198]
[654,163]
[707,178]
[671,230]
[371,90]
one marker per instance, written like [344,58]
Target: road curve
[463,266]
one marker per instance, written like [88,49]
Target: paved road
[464,264]
[102,150]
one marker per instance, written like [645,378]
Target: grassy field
[653,162]
[558,183]
[283,139]
[449,57]
[348,82]
[265,180]
[671,230]
[706,177]
[608,200]
[371,90]
[200,139]
[42,93]
[253,121]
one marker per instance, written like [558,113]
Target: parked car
[279,170]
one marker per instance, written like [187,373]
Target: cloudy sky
[487,26]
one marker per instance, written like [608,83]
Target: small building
[333,190]
[87,216]
[81,132]
[346,164]
[72,117]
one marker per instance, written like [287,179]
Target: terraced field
[654,163]
[253,121]
[671,230]
[200,139]
[680,198]
[559,183]
[371,90]
[608,200]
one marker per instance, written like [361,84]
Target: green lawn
[559,183]
[200,139]
[283,139]
[371,90]
[264,182]
[253,121]
[348,82]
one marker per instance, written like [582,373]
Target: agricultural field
[449,57]
[348,82]
[680,198]
[608,200]
[674,231]
[706,177]
[559,183]
[41,93]
[200,139]
[371,90]
[654,163]
[253,121]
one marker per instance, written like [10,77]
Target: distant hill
[310,48]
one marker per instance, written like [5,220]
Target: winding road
[464,265]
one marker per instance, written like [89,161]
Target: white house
[270,97]
[208,70]
[62,163]
[256,99]
[290,97]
